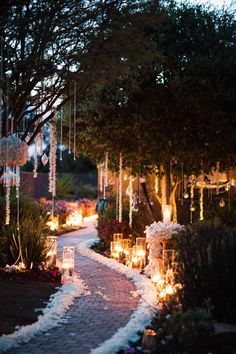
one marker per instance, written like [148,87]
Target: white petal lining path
[103,319]
[142,315]
[52,316]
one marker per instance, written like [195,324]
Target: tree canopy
[180,106]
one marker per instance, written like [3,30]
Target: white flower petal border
[144,312]
[51,317]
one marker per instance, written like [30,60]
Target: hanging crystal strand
[156,187]
[192,208]
[74,146]
[130,201]
[40,142]
[117,197]
[217,177]
[18,197]
[70,113]
[120,188]
[106,170]
[100,174]
[182,184]
[8,205]
[201,203]
[52,157]
[1,91]
[61,115]
[201,196]
[36,157]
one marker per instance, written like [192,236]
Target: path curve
[94,317]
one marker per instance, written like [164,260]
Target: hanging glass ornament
[27,138]
[192,207]
[135,202]
[44,159]
[186,195]
[222,203]
[111,181]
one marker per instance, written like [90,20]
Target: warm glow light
[74,219]
[90,218]
[169,289]
[157,279]
[141,253]
[67,263]
[167,212]
[53,223]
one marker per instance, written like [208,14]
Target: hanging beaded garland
[106,170]
[61,126]
[192,207]
[120,189]
[36,140]
[52,157]
[130,201]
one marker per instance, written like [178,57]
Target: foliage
[66,187]
[207,268]
[184,332]
[30,241]
[181,97]
[86,190]
[107,229]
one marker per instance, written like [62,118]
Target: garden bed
[22,295]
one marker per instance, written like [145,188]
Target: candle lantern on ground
[167,213]
[169,256]
[141,249]
[149,340]
[157,272]
[68,263]
[51,250]
[126,249]
[117,237]
[136,261]
[116,249]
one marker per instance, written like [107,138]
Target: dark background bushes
[207,268]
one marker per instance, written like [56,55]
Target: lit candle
[167,212]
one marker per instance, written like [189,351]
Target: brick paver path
[93,318]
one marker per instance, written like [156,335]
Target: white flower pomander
[158,232]
[13,151]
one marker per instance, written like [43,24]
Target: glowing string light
[120,188]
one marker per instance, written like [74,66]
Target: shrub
[207,268]
[184,332]
[30,243]
[66,187]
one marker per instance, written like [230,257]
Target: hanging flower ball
[44,159]
[13,151]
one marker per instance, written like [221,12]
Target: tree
[179,111]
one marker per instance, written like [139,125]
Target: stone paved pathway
[93,318]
